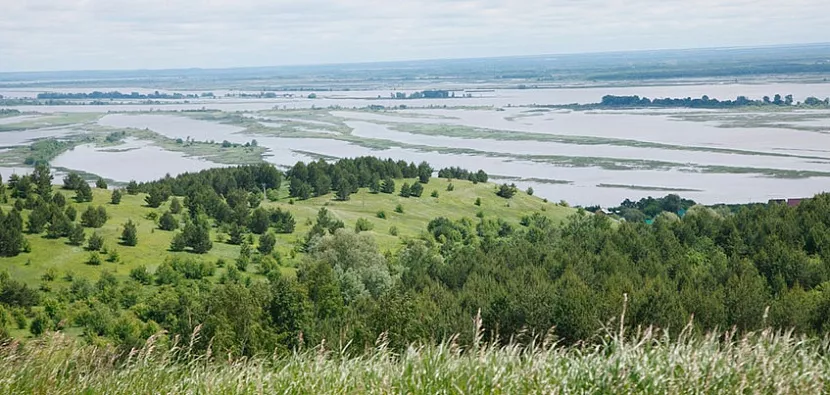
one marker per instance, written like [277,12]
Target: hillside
[153,246]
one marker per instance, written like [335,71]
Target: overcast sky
[131,34]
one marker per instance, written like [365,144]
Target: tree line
[635,101]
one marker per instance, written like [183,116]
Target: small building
[796,202]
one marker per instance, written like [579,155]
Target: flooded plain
[133,160]
[583,157]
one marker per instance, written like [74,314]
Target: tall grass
[645,362]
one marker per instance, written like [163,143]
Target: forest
[763,266]
[612,102]
[97,95]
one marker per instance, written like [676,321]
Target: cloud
[122,34]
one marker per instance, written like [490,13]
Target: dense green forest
[761,266]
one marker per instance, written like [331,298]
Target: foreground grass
[763,362]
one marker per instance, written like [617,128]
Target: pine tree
[266,243]
[388,186]
[178,243]
[175,206]
[129,236]
[405,190]
[132,188]
[101,184]
[83,193]
[59,199]
[95,242]
[344,189]
[76,235]
[38,219]
[416,190]
[72,181]
[12,241]
[116,197]
[197,235]
[424,172]
[42,178]
[168,222]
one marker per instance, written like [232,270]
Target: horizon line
[417,60]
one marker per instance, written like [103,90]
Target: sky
[41,35]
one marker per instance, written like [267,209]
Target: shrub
[399,209]
[434,194]
[381,214]
[363,225]
[50,274]
[478,202]
[530,191]
[450,187]
[393,230]
[94,259]
[142,275]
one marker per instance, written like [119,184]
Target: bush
[434,194]
[142,275]
[399,209]
[363,225]
[393,230]
[101,184]
[478,202]
[450,187]
[112,256]
[94,259]
[50,275]
[381,214]
[530,191]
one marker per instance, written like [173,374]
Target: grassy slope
[153,243]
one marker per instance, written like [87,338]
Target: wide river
[586,158]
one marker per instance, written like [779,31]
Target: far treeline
[764,265]
[612,102]
[96,95]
